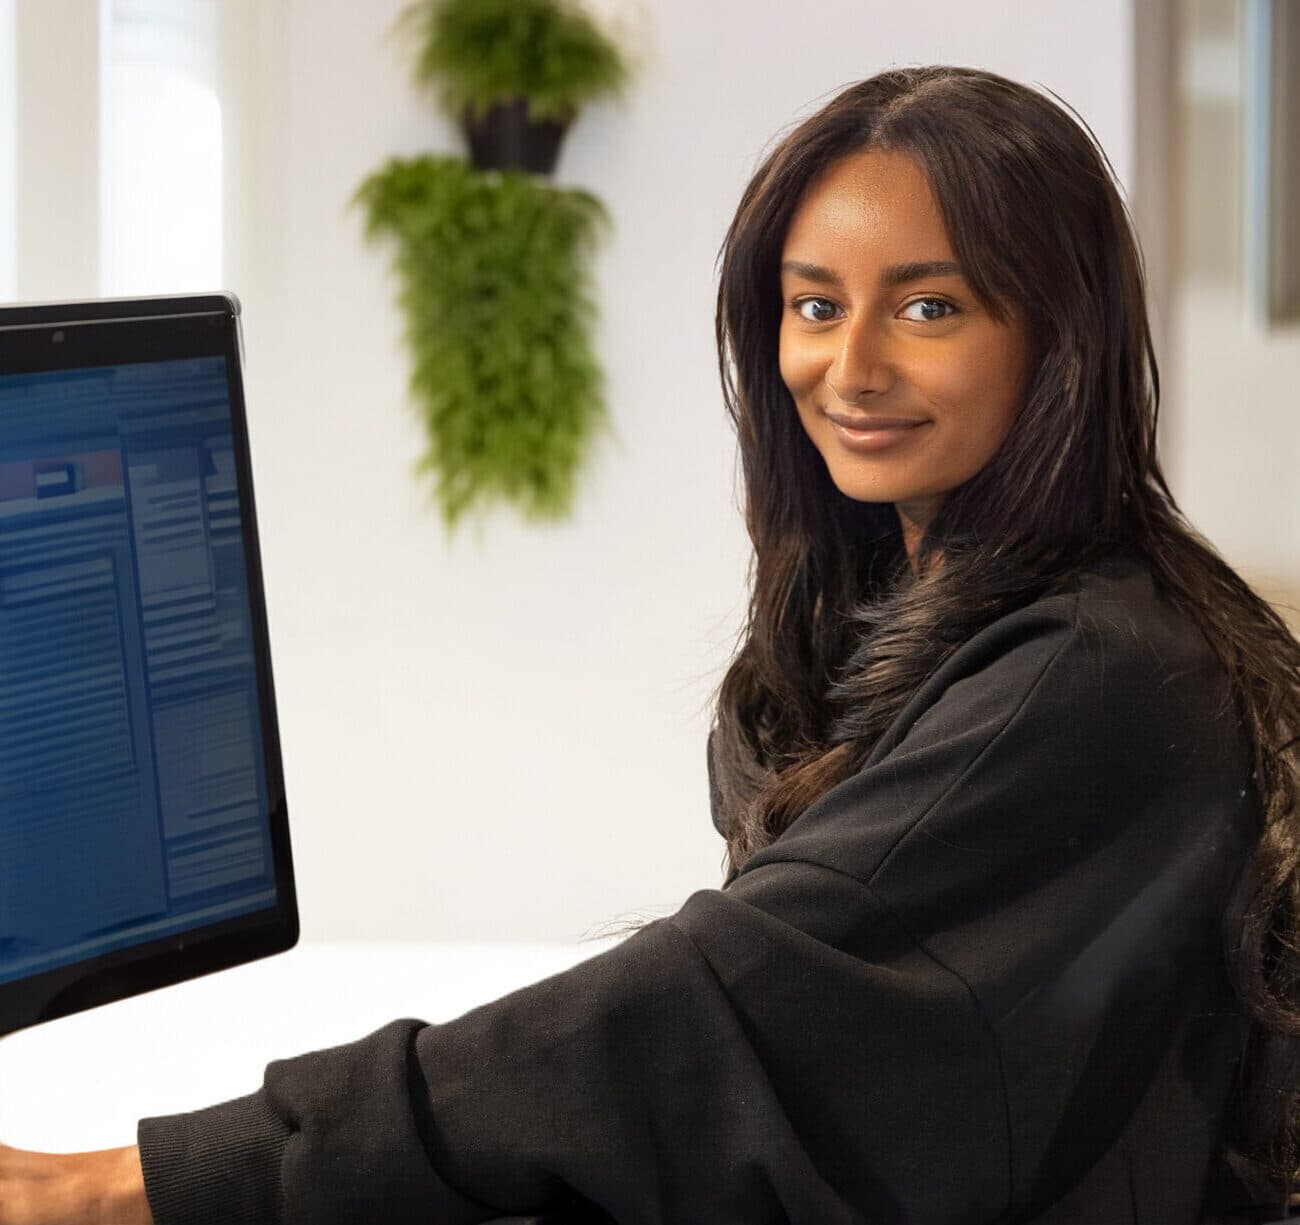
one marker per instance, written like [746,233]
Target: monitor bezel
[115,331]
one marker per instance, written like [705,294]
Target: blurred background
[501,736]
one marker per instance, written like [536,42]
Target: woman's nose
[860,365]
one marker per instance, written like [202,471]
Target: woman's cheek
[789,368]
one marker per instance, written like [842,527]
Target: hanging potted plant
[514,72]
[493,259]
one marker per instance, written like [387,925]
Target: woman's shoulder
[1104,644]
[1113,605]
[1118,609]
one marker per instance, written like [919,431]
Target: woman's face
[879,323]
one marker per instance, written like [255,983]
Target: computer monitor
[143,831]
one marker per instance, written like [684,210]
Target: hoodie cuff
[221,1163]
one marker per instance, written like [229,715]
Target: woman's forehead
[873,205]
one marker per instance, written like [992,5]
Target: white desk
[81,1082]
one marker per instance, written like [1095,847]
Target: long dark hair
[841,630]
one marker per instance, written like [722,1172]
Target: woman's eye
[931,303]
[823,310]
[817,302]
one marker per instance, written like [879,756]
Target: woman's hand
[99,1188]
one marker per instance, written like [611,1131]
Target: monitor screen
[143,836]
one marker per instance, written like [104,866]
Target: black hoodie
[981,980]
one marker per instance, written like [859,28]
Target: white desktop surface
[82,1082]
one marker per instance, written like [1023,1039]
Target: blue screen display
[133,796]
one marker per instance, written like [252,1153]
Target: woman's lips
[873,439]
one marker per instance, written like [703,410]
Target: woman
[1008,933]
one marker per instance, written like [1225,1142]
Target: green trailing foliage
[492,270]
[478,52]
[492,263]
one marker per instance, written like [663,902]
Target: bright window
[161,158]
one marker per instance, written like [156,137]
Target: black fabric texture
[225,1163]
[981,980]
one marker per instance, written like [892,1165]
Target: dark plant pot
[505,139]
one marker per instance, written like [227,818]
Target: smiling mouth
[865,424]
[876,438]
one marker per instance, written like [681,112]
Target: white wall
[8,150]
[56,150]
[1234,437]
[504,738]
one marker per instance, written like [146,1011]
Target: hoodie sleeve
[884,1017]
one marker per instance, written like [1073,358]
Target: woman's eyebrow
[894,275]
